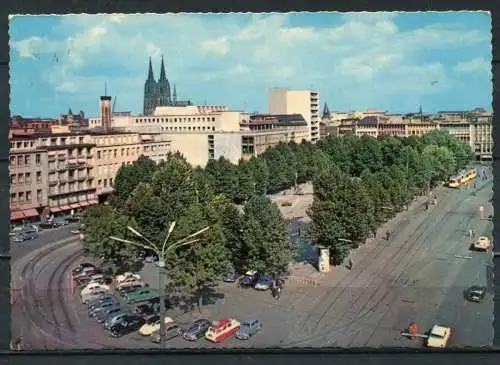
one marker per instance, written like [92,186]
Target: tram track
[408,245]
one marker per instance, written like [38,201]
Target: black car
[476,293]
[146,310]
[129,289]
[197,330]
[126,326]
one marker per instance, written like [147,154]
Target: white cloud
[218,46]
[474,65]
[362,49]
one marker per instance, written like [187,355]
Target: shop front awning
[54,209]
[82,161]
[74,206]
[93,202]
[64,207]
[30,213]
[16,215]
[84,204]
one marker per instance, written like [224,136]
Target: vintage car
[248,328]
[220,330]
[482,244]
[153,324]
[141,295]
[127,276]
[249,279]
[438,337]
[93,286]
[196,330]
[476,293]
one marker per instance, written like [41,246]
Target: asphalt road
[414,277]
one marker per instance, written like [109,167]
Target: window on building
[28,196]
[99,182]
[13,179]
[20,160]
[20,179]
[115,152]
[105,183]
[98,155]
[37,159]
[28,178]
[21,197]
[13,198]
[27,160]
[39,177]
[12,161]
[39,196]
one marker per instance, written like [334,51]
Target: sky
[386,61]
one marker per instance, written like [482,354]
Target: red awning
[74,206]
[73,161]
[82,161]
[65,207]
[52,153]
[84,204]
[93,202]
[30,213]
[55,209]
[16,215]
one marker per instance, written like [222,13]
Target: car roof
[250,320]
[251,272]
[439,330]
[477,287]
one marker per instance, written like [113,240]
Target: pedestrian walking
[350,263]
[413,329]
[388,235]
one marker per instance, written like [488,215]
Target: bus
[455,181]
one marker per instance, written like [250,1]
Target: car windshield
[247,324]
[437,336]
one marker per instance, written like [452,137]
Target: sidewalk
[307,275]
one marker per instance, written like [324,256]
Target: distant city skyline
[384,61]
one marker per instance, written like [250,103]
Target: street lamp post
[161,251]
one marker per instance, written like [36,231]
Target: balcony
[72,179]
[52,182]
[61,157]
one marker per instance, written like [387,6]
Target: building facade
[304,102]
[28,179]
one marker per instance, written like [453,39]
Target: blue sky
[387,61]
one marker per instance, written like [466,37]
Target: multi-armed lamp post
[162,252]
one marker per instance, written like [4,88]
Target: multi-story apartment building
[71,180]
[114,149]
[392,125]
[481,135]
[420,127]
[304,102]
[28,179]
[367,126]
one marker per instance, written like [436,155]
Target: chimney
[105,107]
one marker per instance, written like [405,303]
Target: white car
[127,276]
[438,337]
[93,295]
[482,244]
[93,286]
[153,325]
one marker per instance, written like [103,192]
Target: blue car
[264,283]
[26,236]
[249,279]
[248,328]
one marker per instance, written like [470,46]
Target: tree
[246,183]
[101,222]
[198,267]
[225,174]
[129,176]
[264,244]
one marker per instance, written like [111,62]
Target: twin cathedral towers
[158,93]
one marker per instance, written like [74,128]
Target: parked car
[101,316]
[122,318]
[140,295]
[102,299]
[102,307]
[126,285]
[476,293]
[145,310]
[94,286]
[93,295]
[47,225]
[249,279]
[171,332]
[264,282]
[131,288]
[482,244]
[196,330]
[153,324]
[248,328]
[126,326]
[117,317]
[128,275]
